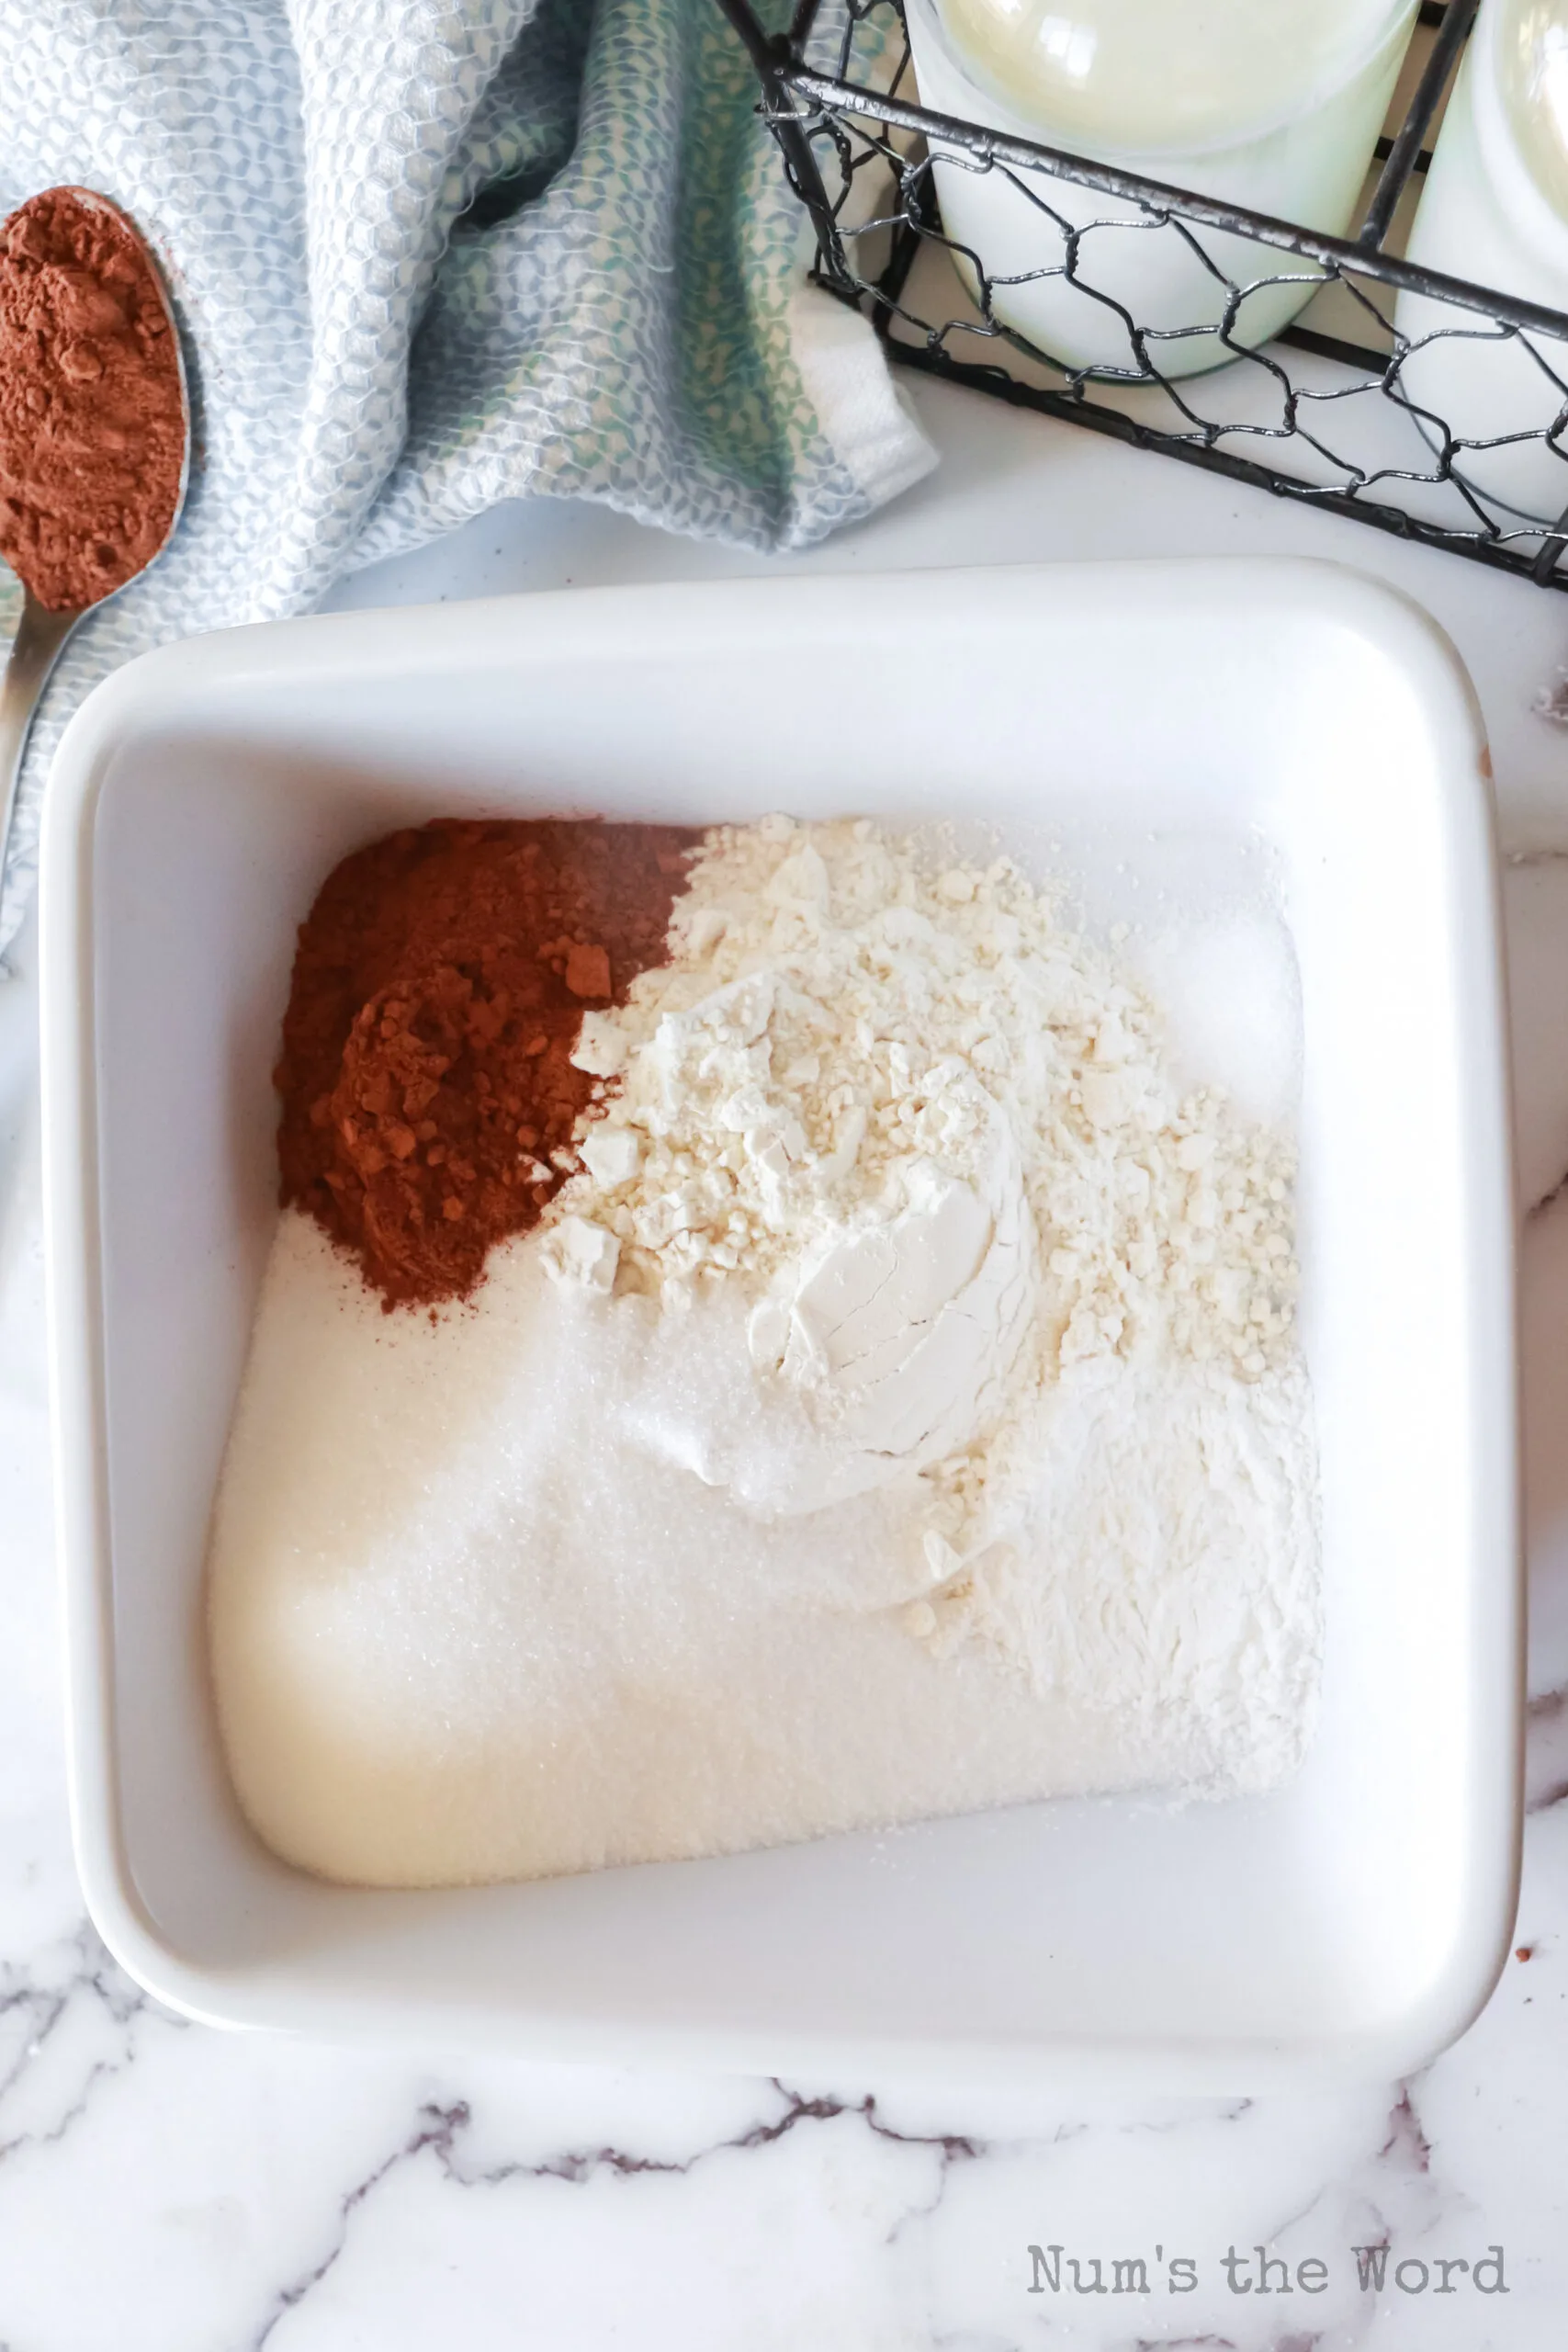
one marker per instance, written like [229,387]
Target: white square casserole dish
[1354,1921]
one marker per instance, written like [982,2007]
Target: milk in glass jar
[1495,213]
[1272,105]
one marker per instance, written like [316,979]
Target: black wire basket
[1328,410]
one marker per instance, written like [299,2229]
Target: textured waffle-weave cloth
[431,254]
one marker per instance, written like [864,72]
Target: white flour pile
[900,1413]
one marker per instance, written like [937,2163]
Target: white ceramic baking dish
[1354,1921]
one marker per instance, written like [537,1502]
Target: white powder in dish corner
[901,1414]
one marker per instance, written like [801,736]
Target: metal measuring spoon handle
[34,650]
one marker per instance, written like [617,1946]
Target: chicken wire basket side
[1305,365]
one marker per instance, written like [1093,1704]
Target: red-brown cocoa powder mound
[92,418]
[439,986]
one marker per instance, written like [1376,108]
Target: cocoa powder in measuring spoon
[92,413]
[429,1094]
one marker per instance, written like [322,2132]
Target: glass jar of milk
[1496,212]
[1272,105]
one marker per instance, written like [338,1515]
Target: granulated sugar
[474,1617]
[903,1415]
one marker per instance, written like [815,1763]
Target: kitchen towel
[431,254]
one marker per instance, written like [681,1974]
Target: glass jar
[1272,105]
[1495,213]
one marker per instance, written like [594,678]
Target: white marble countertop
[167,2189]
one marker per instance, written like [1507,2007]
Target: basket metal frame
[810,111]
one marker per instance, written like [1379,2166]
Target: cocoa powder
[92,415]
[439,985]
